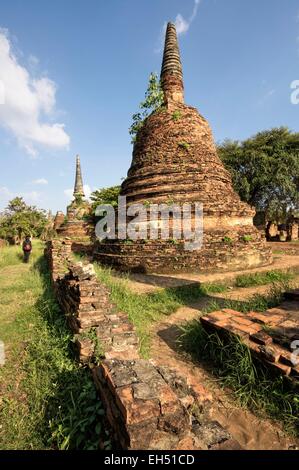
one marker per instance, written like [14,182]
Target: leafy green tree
[154,98]
[105,196]
[265,171]
[19,219]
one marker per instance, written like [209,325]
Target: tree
[105,196]
[154,98]
[19,219]
[265,171]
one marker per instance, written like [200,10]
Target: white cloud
[27,103]
[42,181]
[31,197]
[33,61]
[183,25]
[266,97]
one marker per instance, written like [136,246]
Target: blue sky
[74,72]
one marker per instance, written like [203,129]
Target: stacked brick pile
[87,305]
[59,254]
[268,335]
[175,161]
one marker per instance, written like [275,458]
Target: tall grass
[146,309]
[257,302]
[48,401]
[253,385]
[262,278]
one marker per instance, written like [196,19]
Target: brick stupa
[76,224]
[175,159]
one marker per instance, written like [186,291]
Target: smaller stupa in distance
[175,161]
[76,224]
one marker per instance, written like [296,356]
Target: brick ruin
[175,161]
[283,232]
[77,224]
[59,220]
[269,335]
[147,406]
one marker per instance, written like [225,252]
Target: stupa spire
[78,189]
[172,72]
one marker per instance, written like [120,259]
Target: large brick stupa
[175,160]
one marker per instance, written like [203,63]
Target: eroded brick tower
[175,160]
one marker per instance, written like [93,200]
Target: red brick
[186,444]
[286,358]
[199,391]
[220,315]
[270,353]
[243,321]
[260,317]
[168,400]
[135,411]
[284,370]
[230,312]
[261,338]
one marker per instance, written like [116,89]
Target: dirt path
[251,432]
[142,283]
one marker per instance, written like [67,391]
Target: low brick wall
[268,335]
[147,406]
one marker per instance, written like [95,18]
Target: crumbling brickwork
[147,406]
[175,161]
[268,335]
[59,220]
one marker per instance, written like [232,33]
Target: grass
[253,386]
[10,255]
[146,309]
[262,278]
[257,302]
[48,401]
[213,288]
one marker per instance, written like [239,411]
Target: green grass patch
[213,288]
[253,385]
[256,303]
[146,309]
[262,278]
[48,400]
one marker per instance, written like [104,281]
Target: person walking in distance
[27,248]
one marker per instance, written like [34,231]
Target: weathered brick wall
[59,220]
[170,256]
[268,335]
[175,161]
[147,406]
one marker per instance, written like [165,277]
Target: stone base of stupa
[220,252]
